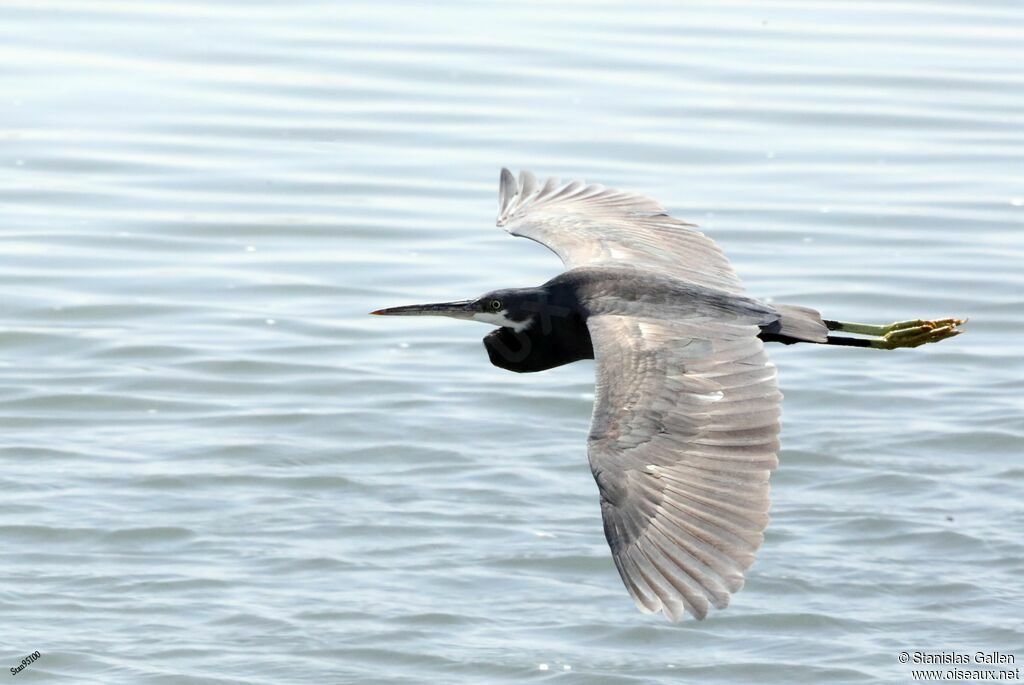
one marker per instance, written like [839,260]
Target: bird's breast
[540,347]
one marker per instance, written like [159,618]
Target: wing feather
[587,225]
[683,440]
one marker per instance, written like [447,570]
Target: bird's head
[510,308]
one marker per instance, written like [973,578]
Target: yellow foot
[917,332]
[921,323]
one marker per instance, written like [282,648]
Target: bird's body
[555,331]
[685,427]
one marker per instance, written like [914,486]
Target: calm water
[217,469]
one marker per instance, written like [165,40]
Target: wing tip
[508,191]
[512,192]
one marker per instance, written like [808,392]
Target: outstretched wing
[590,225]
[684,436]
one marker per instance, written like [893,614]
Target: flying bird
[685,425]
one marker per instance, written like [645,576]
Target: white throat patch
[499,319]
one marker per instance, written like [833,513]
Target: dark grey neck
[557,334]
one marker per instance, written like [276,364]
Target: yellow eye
[495,305]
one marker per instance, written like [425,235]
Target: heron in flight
[685,425]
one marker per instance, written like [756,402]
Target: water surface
[217,469]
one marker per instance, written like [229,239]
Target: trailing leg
[895,335]
[883,337]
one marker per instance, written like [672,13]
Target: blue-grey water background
[216,468]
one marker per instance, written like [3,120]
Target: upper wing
[683,439]
[590,224]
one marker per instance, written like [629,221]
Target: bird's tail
[802,324]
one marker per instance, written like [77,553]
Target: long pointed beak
[463,309]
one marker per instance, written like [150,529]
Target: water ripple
[218,469]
